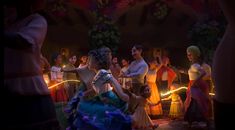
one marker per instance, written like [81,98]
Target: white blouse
[165,76]
[56,74]
[194,72]
[125,82]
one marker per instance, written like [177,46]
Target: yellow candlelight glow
[178,89]
[52,86]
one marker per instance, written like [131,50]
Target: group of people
[103,91]
[131,77]
[54,75]
[101,102]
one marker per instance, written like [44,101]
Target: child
[58,93]
[140,118]
[176,109]
[125,82]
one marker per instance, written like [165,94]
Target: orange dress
[151,77]
[140,118]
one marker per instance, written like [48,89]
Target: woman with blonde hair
[197,100]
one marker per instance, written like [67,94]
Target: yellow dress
[155,97]
[140,117]
[176,109]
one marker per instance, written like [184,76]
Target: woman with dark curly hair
[104,109]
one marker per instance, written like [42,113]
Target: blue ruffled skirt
[96,114]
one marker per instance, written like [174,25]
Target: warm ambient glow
[52,86]
[178,89]
[46,78]
[171,91]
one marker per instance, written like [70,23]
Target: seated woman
[93,110]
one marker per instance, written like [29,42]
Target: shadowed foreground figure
[223,71]
[29,105]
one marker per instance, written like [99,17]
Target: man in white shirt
[136,71]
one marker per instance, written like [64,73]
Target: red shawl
[171,74]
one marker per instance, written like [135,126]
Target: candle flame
[47,82]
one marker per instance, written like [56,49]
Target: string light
[171,91]
[178,89]
[52,86]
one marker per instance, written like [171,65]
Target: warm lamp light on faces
[73,60]
[84,59]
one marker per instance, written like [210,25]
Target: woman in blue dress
[99,108]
